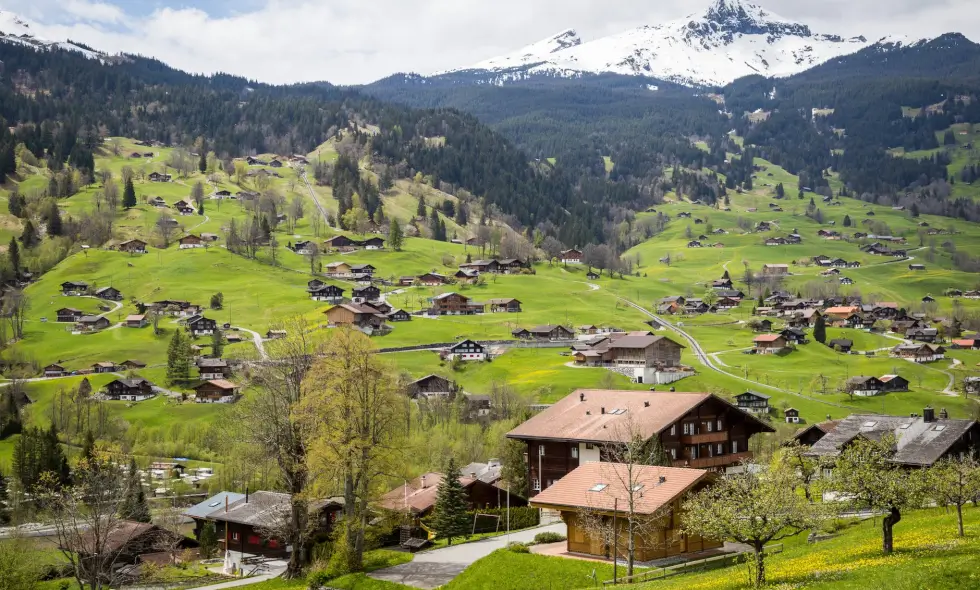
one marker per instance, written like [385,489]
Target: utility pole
[615,555]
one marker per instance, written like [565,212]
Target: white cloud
[346,42]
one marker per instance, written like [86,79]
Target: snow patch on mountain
[732,39]
[14,29]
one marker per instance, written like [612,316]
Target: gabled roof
[574,418]
[767,337]
[419,494]
[599,486]
[219,383]
[215,502]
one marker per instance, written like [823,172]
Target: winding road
[257,339]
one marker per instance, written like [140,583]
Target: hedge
[520,518]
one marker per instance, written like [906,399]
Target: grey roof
[263,508]
[485,472]
[214,363]
[213,503]
[637,341]
[917,442]
[756,393]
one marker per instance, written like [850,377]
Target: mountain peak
[727,18]
[11,24]
[564,40]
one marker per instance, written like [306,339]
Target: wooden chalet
[482,266]
[551,332]
[769,343]
[418,496]
[198,325]
[135,389]
[209,368]
[109,293]
[775,269]
[357,315]
[841,344]
[571,256]
[159,177]
[864,386]
[54,370]
[811,434]
[133,247]
[131,543]
[320,291]
[398,315]
[69,314]
[216,391]
[432,279]
[893,383]
[467,276]
[467,350]
[753,402]
[432,386]
[92,323]
[696,430]
[191,241]
[364,294]
[340,242]
[455,304]
[791,415]
[920,353]
[74,288]
[131,364]
[104,367]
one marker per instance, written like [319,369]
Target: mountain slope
[730,40]
[14,29]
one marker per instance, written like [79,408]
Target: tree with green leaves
[865,474]
[208,540]
[129,195]
[396,236]
[450,519]
[847,221]
[53,223]
[29,237]
[954,481]
[88,446]
[217,343]
[4,508]
[820,329]
[754,507]
[420,209]
[178,358]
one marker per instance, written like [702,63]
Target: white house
[467,350]
[572,256]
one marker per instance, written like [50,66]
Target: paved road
[257,339]
[435,568]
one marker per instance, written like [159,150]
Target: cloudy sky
[348,42]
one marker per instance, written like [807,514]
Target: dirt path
[257,339]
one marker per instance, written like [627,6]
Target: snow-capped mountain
[14,29]
[730,40]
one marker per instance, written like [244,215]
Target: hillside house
[753,402]
[216,391]
[209,369]
[341,243]
[104,367]
[432,386]
[504,305]
[159,177]
[842,344]
[510,266]
[364,294]
[643,357]
[864,386]
[373,243]
[398,315]
[794,336]
[482,266]
[696,430]
[592,275]
[467,350]
[919,353]
[69,314]
[921,441]
[190,241]
[466,276]
[157,202]
[694,244]
[729,292]
[808,436]
[363,317]
[432,279]
[324,292]
[109,294]
[922,334]
[133,247]
[957,343]
[455,304]
[199,325]
[362,271]
[135,389]
[727,303]
[791,415]
[338,269]
[74,288]
[571,256]
[769,343]
[417,497]
[521,334]
[775,269]
[54,370]
[551,332]
[600,489]
[92,323]
[971,385]
[893,383]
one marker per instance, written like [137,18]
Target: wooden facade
[455,304]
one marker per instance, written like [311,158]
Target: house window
[536,485]
[718,425]
[673,454]
[734,446]
[234,536]
[688,428]
[709,425]
[673,430]
[589,446]
[719,449]
[574,452]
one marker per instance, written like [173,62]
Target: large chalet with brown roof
[647,358]
[455,304]
[697,430]
[358,315]
[216,391]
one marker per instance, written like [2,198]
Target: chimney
[226,503]
[588,413]
[943,414]
[646,404]
[602,409]
[928,415]
[663,479]
[422,480]
[581,396]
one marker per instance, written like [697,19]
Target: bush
[520,518]
[548,537]
[518,548]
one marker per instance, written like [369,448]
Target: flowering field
[928,554]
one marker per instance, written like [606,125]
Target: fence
[707,563]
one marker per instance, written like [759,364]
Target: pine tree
[847,221]
[134,505]
[217,343]
[395,235]
[178,359]
[129,194]
[208,540]
[4,510]
[780,191]
[914,210]
[820,330]
[15,204]
[88,447]
[29,237]
[54,220]
[13,253]
[443,236]
[450,519]
[202,162]
[420,210]
[200,208]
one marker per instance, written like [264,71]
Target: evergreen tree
[200,208]
[217,343]
[420,210]
[202,162]
[208,540]
[450,519]
[847,221]
[4,510]
[780,191]
[88,447]
[443,236]
[395,236]
[85,388]
[54,220]
[820,330]
[13,253]
[914,210]
[134,505]
[129,194]
[15,204]
[266,229]
[29,237]
[178,358]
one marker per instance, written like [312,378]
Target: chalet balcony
[709,462]
[704,437]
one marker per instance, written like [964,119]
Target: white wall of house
[587,455]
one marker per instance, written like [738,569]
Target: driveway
[435,568]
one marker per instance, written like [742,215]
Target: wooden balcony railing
[705,437]
[709,462]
